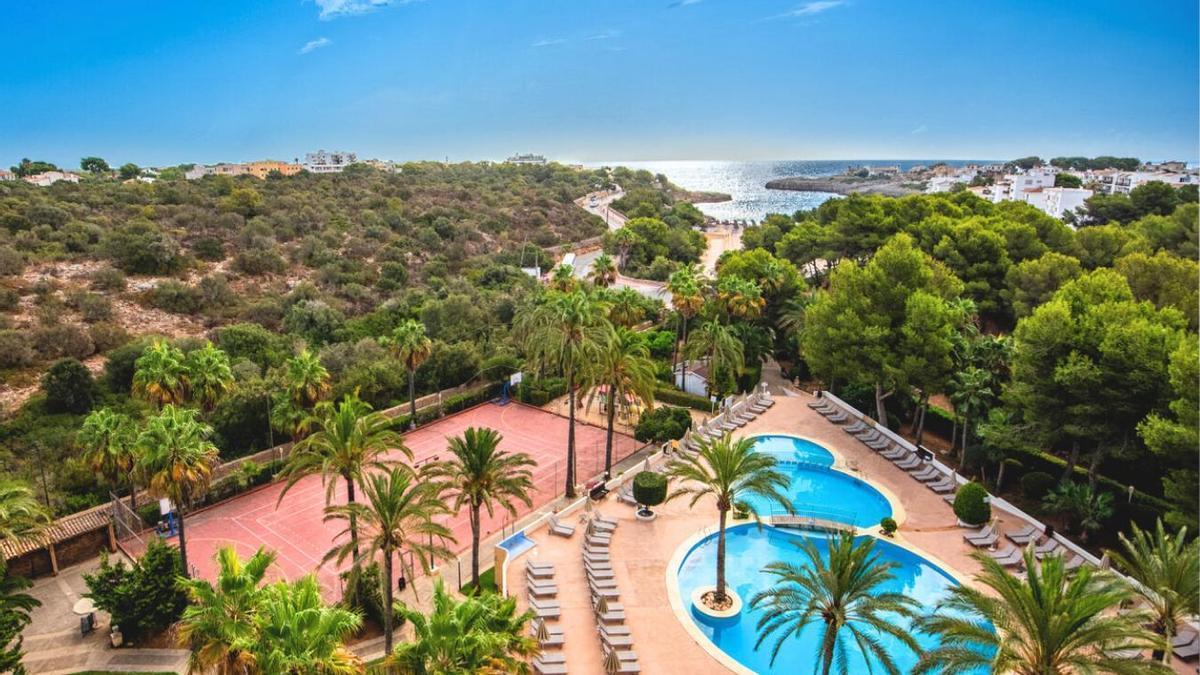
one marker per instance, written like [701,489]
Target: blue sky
[208,80]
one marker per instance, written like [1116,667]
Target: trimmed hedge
[888,526]
[664,423]
[971,505]
[450,404]
[540,392]
[649,488]
[682,398]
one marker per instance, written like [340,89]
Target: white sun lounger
[910,462]
[1008,557]
[549,668]
[1024,535]
[559,528]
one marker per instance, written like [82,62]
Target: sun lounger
[944,486]
[606,593]
[559,528]
[880,444]
[1046,548]
[596,558]
[539,564]
[610,617]
[982,533]
[594,534]
[539,572]
[728,425]
[896,453]
[555,638]
[625,494]
[1074,563]
[1184,637]
[602,583]
[1008,557]
[820,404]
[552,658]
[616,641]
[545,612]
[601,526]
[909,462]
[544,604]
[867,435]
[614,629]
[542,591]
[985,537]
[1188,650]
[549,668]
[838,417]
[1024,535]
[854,428]
[605,520]
[926,474]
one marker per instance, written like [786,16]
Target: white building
[5,174]
[329,162]
[526,159]
[1056,201]
[1123,182]
[51,177]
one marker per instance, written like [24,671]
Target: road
[613,218]
[655,290]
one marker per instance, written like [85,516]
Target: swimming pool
[816,489]
[748,549]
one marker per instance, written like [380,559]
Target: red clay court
[296,531]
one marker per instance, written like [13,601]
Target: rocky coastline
[844,186]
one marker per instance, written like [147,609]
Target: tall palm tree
[720,344]
[972,394]
[220,618]
[16,607]
[568,331]
[624,368]
[397,516]
[298,634]
[160,374]
[410,344]
[741,298]
[604,271]
[730,471]
[106,438]
[562,279]
[307,380]
[21,514]
[1167,569]
[841,594]
[687,299]
[626,308]
[1053,621]
[178,459]
[480,475]
[480,634]
[350,439]
[209,376]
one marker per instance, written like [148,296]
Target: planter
[698,604]
[645,515]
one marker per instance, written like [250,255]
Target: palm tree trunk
[132,494]
[183,560]
[612,412]
[683,370]
[474,546]
[412,396]
[921,417]
[720,594]
[675,345]
[387,601]
[954,433]
[966,425]
[1000,475]
[880,407]
[570,492]
[353,518]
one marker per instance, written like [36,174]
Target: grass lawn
[487,580]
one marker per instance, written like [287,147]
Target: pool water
[748,549]
[816,489]
[517,544]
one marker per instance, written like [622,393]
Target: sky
[161,83]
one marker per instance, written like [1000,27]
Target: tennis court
[295,529]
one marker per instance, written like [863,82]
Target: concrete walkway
[53,645]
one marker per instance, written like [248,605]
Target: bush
[143,598]
[69,387]
[682,398]
[664,423]
[140,247]
[1036,484]
[108,279]
[16,349]
[62,341]
[175,297]
[92,307]
[649,488]
[971,504]
[364,591]
[888,526]
[121,364]
[258,261]
[9,300]
[540,392]
[106,336]
[252,341]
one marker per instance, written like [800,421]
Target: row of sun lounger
[539,582]
[737,415]
[1012,555]
[616,644]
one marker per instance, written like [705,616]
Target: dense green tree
[1165,280]
[1067,180]
[94,165]
[1154,198]
[209,377]
[29,167]
[141,247]
[69,387]
[1032,282]
[481,475]
[978,257]
[1084,508]
[842,593]
[1175,438]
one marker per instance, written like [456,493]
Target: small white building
[1056,201]
[5,174]
[527,158]
[48,178]
[329,162]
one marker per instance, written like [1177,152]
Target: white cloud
[683,3]
[549,42]
[331,9]
[315,44]
[605,35]
[919,130]
[810,8]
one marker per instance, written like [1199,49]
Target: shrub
[121,364]
[142,598]
[314,320]
[175,297]
[64,340]
[108,279]
[1036,484]
[257,261]
[16,350]
[676,397]
[69,387]
[209,248]
[140,247]
[252,341]
[93,307]
[971,504]
[106,336]
[649,488]
[888,526]
[9,300]
[363,586]
[12,262]
[664,423]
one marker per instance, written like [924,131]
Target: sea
[747,181]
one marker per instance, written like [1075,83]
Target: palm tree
[209,376]
[16,607]
[350,439]
[1053,621]
[21,514]
[219,618]
[720,344]
[1084,507]
[480,634]
[562,279]
[298,634]
[397,515]
[106,438]
[1167,569]
[730,471]
[481,474]
[178,459]
[161,376]
[972,394]
[410,344]
[741,298]
[307,380]
[604,271]
[626,307]
[624,369]
[687,300]
[841,593]
[568,331]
